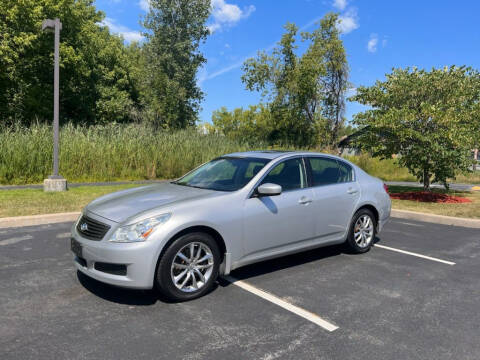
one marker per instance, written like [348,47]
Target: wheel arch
[373,209]
[197,228]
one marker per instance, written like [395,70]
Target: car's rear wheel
[362,231]
[189,267]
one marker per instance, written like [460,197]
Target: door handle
[304,200]
[352,191]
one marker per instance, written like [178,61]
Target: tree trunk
[426,180]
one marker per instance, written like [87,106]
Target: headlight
[139,231]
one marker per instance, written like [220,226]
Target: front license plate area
[76,247]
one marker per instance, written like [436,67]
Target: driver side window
[289,174]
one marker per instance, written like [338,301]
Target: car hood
[121,205]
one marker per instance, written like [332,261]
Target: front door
[273,223]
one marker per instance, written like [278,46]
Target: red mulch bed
[425,196]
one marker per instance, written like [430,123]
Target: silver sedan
[235,210]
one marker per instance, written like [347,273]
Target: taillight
[385,187]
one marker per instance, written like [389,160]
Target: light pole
[55,182]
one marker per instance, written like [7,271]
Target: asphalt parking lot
[384,304]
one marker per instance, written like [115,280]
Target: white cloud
[128,34]
[225,14]
[348,21]
[372,43]
[340,4]
[144,5]
[214,27]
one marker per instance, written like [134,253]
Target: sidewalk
[453,186]
[458,187]
[71,185]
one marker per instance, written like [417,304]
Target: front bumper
[139,259]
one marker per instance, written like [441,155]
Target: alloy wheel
[192,267]
[363,231]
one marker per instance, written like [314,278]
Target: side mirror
[269,189]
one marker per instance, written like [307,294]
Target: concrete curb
[437,219]
[20,221]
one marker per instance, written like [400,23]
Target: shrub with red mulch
[426,196]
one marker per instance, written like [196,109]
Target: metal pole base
[55,183]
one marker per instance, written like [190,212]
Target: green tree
[286,85]
[429,118]
[174,30]
[251,125]
[95,81]
[305,94]
[335,80]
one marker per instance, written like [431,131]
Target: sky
[378,35]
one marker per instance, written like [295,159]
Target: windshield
[224,174]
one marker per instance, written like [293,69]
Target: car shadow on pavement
[117,294]
[150,297]
[290,261]
[124,296]
[285,262]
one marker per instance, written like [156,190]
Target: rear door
[275,222]
[335,195]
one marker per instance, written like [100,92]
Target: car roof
[273,154]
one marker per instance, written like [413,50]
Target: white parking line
[15,240]
[283,304]
[415,254]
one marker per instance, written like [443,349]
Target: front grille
[92,229]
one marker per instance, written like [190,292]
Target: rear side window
[346,172]
[324,171]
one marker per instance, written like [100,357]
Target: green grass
[107,153]
[24,202]
[468,178]
[390,170]
[387,170]
[34,201]
[465,210]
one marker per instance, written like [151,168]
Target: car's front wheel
[189,267]
[362,231]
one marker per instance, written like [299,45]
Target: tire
[365,241]
[181,275]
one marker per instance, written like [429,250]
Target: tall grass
[107,153]
[134,152]
[388,170]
